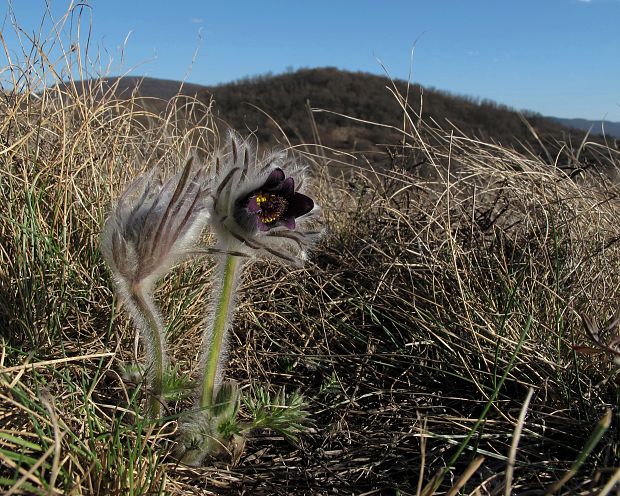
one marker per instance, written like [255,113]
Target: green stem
[220,325]
[152,335]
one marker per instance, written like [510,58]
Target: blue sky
[556,57]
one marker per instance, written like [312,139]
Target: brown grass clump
[432,335]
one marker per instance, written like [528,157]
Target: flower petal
[261,225]
[275,178]
[253,206]
[288,222]
[299,205]
[286,188]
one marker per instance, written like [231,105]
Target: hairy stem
[219,327]
[152,329]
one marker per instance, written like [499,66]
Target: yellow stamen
[271,206]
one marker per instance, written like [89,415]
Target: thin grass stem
[611,483]
[469,472]
[512,455]
[599,430]
[436,481]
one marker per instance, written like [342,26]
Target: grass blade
[599,430]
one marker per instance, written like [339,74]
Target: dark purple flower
[276,203]
[257,207]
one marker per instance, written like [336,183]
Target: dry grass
[447,287]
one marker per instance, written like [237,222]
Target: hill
[367,97]
[338,108]
[595,127]
[125,87]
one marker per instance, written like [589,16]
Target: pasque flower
[275,203]
[257,206]
[149,231]
[257,209]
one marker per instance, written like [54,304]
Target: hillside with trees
[340,110]
[356,95]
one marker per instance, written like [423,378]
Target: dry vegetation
[433,329]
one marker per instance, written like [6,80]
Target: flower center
[272,207]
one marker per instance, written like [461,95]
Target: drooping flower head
[153,224]
[258,206]
[148,232]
